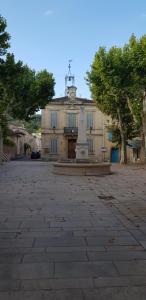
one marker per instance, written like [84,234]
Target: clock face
[72,94]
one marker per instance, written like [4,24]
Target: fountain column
[82,145]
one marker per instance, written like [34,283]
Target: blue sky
[47,33]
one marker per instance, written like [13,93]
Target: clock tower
[71,93]
[70,89]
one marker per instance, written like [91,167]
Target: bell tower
[70,88]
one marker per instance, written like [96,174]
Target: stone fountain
[82,164]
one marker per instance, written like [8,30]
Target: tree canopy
[117,81]
[22,90]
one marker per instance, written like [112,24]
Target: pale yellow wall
[99,120]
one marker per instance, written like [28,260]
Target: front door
[114,155]
[71,148]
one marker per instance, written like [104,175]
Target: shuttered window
[90,145]
[71,120]
[110,136]
[54,146]
[53,119]
[89,119]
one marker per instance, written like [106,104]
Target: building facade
[20,137]
[60,120]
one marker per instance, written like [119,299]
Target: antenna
[69,78]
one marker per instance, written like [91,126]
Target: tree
[26,91]
[22,90]
[107,83]
[137,57]
[4,45]
[4,37]
[113,81]
[34,124]
[31,92]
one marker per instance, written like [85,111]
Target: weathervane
[69,78]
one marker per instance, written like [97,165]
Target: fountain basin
[81,169]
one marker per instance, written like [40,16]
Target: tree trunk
[142,150]
[143,140]
[144,126]
[123,140]
[131,110]
[1,145]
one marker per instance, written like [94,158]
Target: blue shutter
[53,119]
[110,136]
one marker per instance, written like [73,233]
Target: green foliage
[26,91]
[22,90]
[4,37]
[34,123]
[26,147]
[117,81]
[4,45]
[7,141]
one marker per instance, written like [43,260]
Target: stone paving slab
[72,237]
[116,255]
[84,269]
[26,271]
[118,241]
[131,267]
[119,281]
[52,256]
[58,284]
[6,243]
[59,241]
[18,250]
[65,294]
[10,285]
[116,293]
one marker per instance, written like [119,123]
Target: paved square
[72,238]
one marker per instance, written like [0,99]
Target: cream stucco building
[60,120]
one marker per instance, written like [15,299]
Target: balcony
[71,131]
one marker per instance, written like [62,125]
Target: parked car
[35,154]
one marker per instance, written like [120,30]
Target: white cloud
[49,12]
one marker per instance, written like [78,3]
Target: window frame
[53,121]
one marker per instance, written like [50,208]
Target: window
[53,119]
[90,145]
[89,119]
[71,120]
[110,136]
[54,146]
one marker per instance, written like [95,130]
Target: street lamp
[54,129]
[90,129]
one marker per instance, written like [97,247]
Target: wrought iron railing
[71,130]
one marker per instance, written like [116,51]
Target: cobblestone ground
[72,238]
